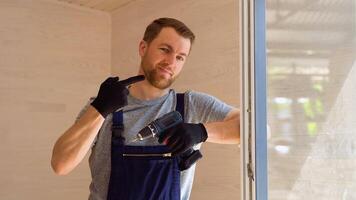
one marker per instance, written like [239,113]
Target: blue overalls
[137,177]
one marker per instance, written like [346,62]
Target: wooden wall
[55,55]
[52,58]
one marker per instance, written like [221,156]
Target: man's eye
[164,50]
[180,58]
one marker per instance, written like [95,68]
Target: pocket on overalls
[145,173]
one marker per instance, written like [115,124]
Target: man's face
[163,59]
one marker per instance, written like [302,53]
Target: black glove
[183,137]
[112,94]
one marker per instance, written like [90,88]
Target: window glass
[311,54]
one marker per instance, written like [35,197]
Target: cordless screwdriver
[156,127]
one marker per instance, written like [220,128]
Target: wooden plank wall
[52,58]
[55,55]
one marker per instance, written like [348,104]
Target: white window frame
[253,100]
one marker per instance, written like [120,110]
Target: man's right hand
[113,93]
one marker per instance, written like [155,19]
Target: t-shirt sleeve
[202,108]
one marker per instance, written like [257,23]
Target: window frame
[254,180]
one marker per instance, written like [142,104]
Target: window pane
[311,58]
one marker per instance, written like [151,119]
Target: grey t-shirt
[199,108]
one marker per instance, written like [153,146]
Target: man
[124,170]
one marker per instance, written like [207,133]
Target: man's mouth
[165,70]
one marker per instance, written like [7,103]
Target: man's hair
[156,26]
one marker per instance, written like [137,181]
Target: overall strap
[190,156]
[117,124]
[180,104]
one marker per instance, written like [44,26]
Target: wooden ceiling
[103,5]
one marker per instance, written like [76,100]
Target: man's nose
[171,59]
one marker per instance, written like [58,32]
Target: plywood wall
[52,58]
[212,68]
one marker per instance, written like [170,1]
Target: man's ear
[142,48]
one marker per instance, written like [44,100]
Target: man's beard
[153,76]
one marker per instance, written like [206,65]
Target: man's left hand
[183,137]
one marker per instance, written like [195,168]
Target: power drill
[158,126]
